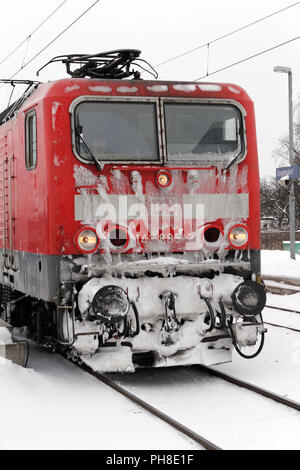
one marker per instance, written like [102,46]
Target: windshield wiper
[239,137]
[232,161]
[79,132]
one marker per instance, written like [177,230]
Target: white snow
[55,106]
[117,174]
[277,367]
[284,301]
[157,88]
[64,408]
[127,89]
[57,161]
[84,177]
[279,317]
[210,87]
[186,88]
[75,87]
[188,302]
[279,263]
[100,89]
[280,285]
[219,410]
[111,360]
[232,417]
[85,344]
[5,336]
[137,185]
[234,90]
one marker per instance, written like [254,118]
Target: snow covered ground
[229,416]
[277,368]
[54,405]
[279,263]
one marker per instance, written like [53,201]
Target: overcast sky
[163,29]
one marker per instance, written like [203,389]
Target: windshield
[202,132]
[116,131]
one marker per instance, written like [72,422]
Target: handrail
[4,214]
[11,260]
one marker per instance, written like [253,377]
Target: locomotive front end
[148,195]
[166,203]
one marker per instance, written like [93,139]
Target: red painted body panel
[43,198]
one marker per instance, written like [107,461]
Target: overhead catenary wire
[55,39]
[207,44]
[27,39]
[248,58]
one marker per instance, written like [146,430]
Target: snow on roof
[158,88]
[185,87]
[209,87]
[127,89]
[100,88]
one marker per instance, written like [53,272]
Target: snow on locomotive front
[168,225]
[151,205]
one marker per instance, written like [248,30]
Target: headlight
[86,240]
[249,298]
[238,236]
[163,179]
[110,304]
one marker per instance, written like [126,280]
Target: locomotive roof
[74,87]
[79,86]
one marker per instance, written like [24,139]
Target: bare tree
[281,153]
[274,197]
[274,202]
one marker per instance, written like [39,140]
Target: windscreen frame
[118,99]
[202,161]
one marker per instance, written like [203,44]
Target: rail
[254,388]
[283,309]
[154,411]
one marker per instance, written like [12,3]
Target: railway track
[154,411]
[284,310]
[205,443]
[282,326]
[254,388]
[282,285]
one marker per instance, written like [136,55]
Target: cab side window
[30,140]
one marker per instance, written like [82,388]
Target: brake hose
[137,320]
[221,315]
[211,314]
[237,348]
[126,329]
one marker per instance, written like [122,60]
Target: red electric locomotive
[130,218]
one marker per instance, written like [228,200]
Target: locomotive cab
[130,218]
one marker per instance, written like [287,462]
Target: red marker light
[163,179]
